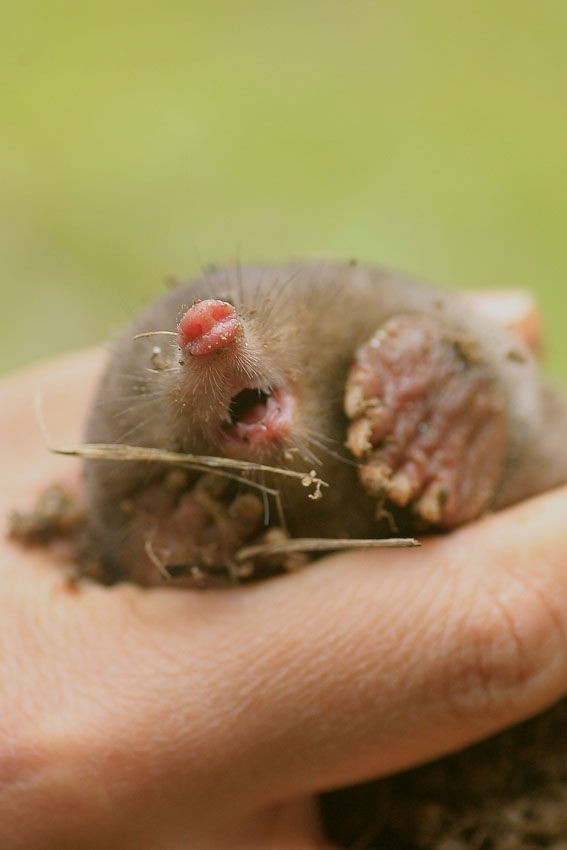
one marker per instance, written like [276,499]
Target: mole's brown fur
[403,399]
[463,422]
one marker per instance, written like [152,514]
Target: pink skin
[266,423]
[426,420]
[207,327]
[211,326]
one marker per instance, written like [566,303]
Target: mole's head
[233,388]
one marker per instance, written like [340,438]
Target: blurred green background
[140,140]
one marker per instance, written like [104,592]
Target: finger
[369,663]
[514,309]
[65,386]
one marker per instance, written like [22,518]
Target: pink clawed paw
[427,421]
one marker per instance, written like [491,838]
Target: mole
[414,410]
[344,402]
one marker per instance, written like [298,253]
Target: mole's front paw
[427,421]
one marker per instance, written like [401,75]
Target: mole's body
[443,414]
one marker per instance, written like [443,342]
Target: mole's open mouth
[259,418]
[248,406]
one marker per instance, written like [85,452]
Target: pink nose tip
[208,326]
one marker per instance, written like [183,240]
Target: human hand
[163,718]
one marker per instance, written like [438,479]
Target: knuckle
[512,655]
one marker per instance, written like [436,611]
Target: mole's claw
[427,420]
